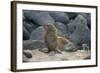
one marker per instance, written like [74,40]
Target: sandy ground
[38,56]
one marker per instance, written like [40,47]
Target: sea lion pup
[53,42]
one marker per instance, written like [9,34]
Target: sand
[38,56]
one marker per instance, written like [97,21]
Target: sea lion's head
[49,27]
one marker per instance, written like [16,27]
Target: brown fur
[52,41]
[61,41]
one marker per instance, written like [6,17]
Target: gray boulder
[25,59]
[72,15]
[38,17]
[77,22]
[81,35]
[26,34]
[85,47]
[60,17]
[38,34]
[28,26]
[27,53]
[61,27]
[33,44]
[80,31]
[24,17]
[88,18]
[45,50]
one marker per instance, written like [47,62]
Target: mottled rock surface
[60,16]
[33,44]
[38,34]
[26,34]
[79,31]
[40,18]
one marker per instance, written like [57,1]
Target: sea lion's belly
[51,42]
